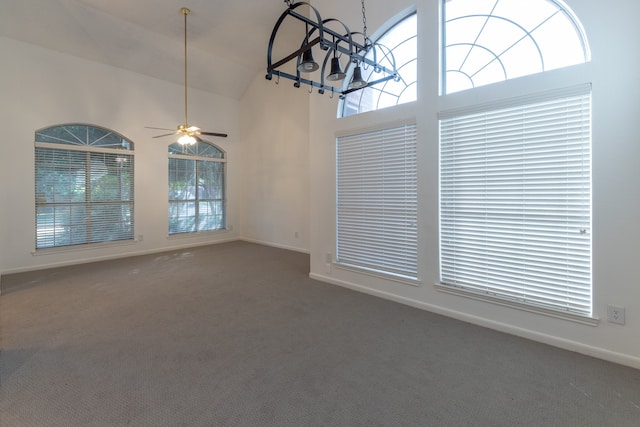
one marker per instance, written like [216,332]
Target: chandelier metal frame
[318,31]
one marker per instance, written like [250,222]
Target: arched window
[196,188]
[84,186]
[488,41]
[401,39]
[515,173]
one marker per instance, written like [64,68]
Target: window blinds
[515,201]
[377,201]
[82,196]
[196,195]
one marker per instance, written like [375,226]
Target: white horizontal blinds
[82,196]
[211,195]
[196,188]
[377,201]
[515,201]
[182,196]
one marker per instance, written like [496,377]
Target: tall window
[515,201]
[84,186]
[515,175]
[402,41]
[196,188]
[377,201]
[488,41]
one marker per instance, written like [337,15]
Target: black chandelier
[356,46]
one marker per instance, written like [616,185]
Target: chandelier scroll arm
[291,12]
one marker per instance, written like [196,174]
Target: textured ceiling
[227,39]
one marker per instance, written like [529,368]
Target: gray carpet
[237,335]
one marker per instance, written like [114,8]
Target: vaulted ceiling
[227,39]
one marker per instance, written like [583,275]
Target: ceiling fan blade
[149,127]
[165,134]
[221,135]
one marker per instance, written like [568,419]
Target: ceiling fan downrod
[185,11]
[188,135]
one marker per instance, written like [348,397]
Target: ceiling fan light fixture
[187,139]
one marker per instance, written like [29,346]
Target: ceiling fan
[188,135]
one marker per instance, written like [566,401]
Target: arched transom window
[402,41]
[488,41]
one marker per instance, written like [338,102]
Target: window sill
[82,247]
[585,320]
[387,276]
[194,234]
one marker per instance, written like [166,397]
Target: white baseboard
[275,245]
[115,256]
[597,352]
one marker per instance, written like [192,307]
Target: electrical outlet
[615,314]
[328,258]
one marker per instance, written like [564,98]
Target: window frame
[499,95]
[387,28]
[562,8]
[554,168]
[192,154]
[50,146]
[388,245]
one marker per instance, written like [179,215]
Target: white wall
[275,168]
[613,33]
[42,88]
